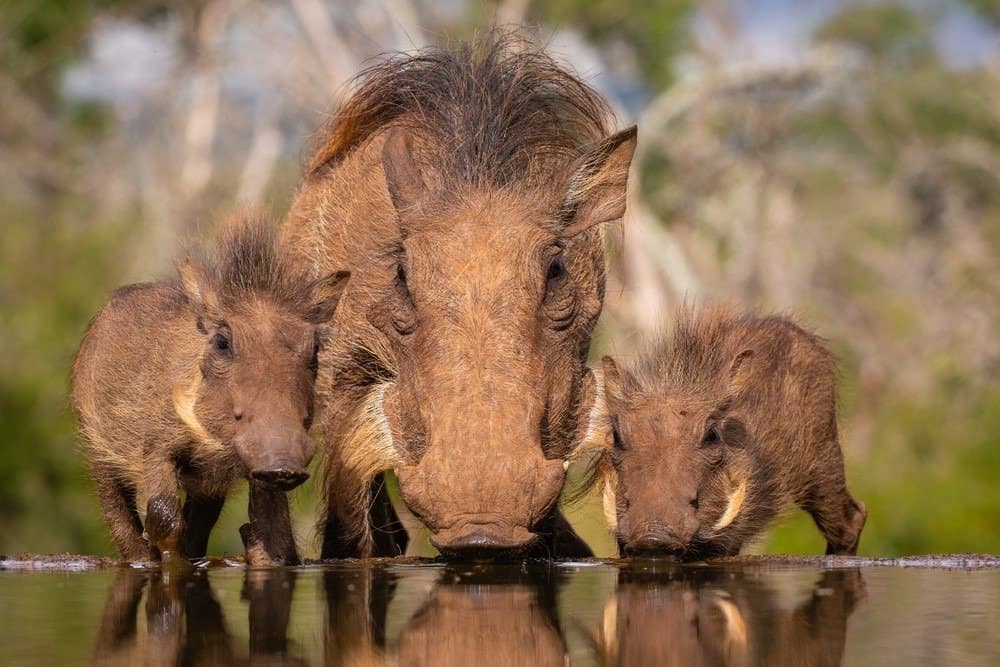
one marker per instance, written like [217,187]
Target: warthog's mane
[246,263]
[696,357]
[491,113]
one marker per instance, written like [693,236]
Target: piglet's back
[124,369]
[793,375]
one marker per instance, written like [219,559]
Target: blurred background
[837,160]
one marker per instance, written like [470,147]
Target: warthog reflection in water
[379,614]
[498,615]
[706,617]
[185,624]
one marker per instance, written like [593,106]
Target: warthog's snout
[280,478]
[658,539]
[477,539]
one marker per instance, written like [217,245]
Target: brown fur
[466,190]
[716,435]
[192,384]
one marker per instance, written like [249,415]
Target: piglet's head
[260,327]
[680,471]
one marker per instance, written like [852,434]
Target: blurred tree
[857,185]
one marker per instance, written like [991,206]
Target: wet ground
[750,610]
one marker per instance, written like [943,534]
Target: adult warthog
[465,189]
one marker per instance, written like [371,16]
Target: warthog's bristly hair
[246,263]
[497,111]
[591,449]
[365,450]
[697,355]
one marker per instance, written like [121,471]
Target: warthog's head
[495,295]
[262,326]
[681,464]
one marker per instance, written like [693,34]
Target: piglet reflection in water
[703,616]
[184,622]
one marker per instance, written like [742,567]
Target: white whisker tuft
[185,399]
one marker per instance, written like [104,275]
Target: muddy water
[424,613]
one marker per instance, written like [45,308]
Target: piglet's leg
[164,521]
[121,514]
[200,515]
[268,536]
[837,514]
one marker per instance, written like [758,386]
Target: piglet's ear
[326,295]
[739,372]
[199,288]
[616,381]
[598,183]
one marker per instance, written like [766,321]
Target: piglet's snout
[278,459]
[659,538]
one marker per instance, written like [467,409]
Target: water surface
[587,613]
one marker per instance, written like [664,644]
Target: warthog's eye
[220,343]
[619,443]
[556,270]
[559,302]
[711,437]
[712,445]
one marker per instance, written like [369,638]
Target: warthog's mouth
[282,478]
[657,542]
[470,540]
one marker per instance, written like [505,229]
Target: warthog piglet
[187,386]
[712,438]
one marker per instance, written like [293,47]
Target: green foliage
[929,479]
[54,271]
[884,30]
[37,37]
[657,30]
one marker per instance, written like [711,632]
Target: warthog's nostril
[281,478]
[237,413]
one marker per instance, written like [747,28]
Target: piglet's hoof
[174,562]
[256,555]
[256,552]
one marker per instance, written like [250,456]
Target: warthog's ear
[402,175]
[326,293]
[616,381]
[199,288]
[739,372]
[598,183]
